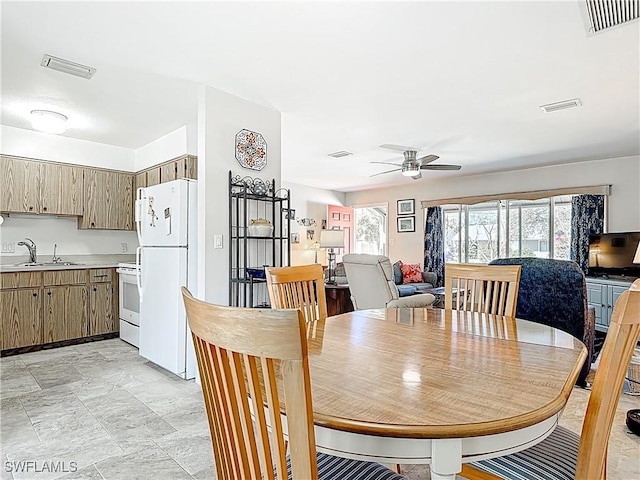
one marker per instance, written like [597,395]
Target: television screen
[613,253]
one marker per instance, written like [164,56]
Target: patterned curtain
[434,244]
[587,216]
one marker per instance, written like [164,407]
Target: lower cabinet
[602,294]
[101,318]
[53,306]
[65,313]
[21,312]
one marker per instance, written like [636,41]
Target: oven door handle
[139,273]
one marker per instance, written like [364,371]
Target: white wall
[220,117]
[58,148]
[623,174]
[47,230]
[310,202]
[171,145]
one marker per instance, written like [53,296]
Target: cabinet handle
[44,209]
[30,208]
[49,293]
[35,294]
[101,276]
[95,289]
[93,224]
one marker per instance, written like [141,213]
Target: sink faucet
[30,244]
[55,259]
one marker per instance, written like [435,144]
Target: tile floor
[118,417]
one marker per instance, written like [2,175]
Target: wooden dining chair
[482,288]
[564,455]
[253,366]
[298,287]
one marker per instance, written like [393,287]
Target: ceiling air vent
[339,154]
[65,66]
[603,14]
[554,107]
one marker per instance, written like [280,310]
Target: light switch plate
[217,241]
[124,247]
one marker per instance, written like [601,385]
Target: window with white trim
[485,231]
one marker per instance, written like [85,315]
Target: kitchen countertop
[81,262]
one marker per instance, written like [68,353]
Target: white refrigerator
[166,220]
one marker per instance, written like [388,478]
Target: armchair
[554,292]
[371,284]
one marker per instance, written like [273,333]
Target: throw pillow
[411,273]
[397,273]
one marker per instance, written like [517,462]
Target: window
[370,230]
[507,228]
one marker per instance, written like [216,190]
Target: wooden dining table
[438,387]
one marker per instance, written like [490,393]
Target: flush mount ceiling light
[410,169]
[48,121]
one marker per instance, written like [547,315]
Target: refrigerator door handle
[138,213]
[139,272]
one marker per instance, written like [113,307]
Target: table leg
[446,458]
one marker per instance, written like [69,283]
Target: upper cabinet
[40,187]
[108,200]
[181,167]
[100,198]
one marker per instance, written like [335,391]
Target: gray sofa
[406,289]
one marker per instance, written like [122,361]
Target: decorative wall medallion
[251,150]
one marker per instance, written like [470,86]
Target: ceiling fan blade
[389,163]
[398,148]
[388,171]
[427,159]
[440,167]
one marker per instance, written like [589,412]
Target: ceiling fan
[412,165]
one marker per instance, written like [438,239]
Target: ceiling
[461,80]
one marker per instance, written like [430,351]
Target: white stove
[129,299]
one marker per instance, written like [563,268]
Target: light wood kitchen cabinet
[65,305]
[168,171]
[61,189]
[183,167]
[108,200]
[65,313]
[40,187]
[140,181]
[19,185]
[101,313]
[21,312]
[153,176]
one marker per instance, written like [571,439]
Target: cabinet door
[153,176]
[95,199]
[168,171]
[21,312]
[122,201]
[65,313]
[191,167]
[614,291]
[61,189]
[19,185]
[597,298]
[101,318]
[140,181]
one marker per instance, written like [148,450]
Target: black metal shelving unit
[253,198]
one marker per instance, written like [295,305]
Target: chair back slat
[482,288]
[298,287]
[250,360]
[618,348]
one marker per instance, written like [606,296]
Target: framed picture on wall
[406,224]
[407,207]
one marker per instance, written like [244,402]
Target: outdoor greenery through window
[507,228]
[371,230]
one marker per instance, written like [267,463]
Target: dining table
[434,386]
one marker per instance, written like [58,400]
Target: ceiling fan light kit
[412,166]
[410,169]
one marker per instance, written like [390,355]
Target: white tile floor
[118,417]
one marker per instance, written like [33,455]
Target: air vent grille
[65,66]
[341,153]
[605,14]
[554,107]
